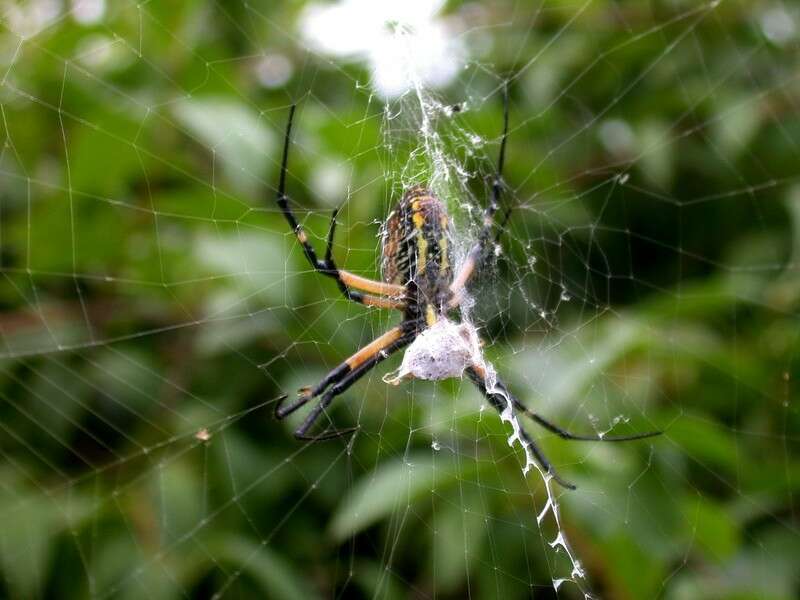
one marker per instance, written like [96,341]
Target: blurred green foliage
[154,306]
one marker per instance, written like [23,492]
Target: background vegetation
[153,307]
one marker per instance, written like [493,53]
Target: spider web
[155,306]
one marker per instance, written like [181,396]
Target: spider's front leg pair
[352,286]
[355,288]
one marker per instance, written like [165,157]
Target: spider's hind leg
[498,401]
[327,266]
[567,435]
[498,397]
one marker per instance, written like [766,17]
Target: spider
[419,281]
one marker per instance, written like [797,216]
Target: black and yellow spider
[418,280]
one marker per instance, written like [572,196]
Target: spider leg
[377,346]
[358,282]
[498,401]
[497,398]
[328,267]
[564,434]
[340,387]
[478,251]
[342,377]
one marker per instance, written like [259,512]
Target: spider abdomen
[416,249]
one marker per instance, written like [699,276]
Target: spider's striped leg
[327,267]
[478,252]
[497,398]
[564,434]
[341,386]
[346,374]
[377,346]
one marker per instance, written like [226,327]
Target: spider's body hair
[416,254]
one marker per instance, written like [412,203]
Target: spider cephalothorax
[419,280]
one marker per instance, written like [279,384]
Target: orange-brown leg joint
[375,346]
[369,285]
[479,370]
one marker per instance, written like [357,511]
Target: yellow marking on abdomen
[445,264]
[430,315]
[422,254]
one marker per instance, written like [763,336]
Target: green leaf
[254,264]
[658,156]
[565,373]
[30,524]
[233,133]
[276,577]
[392,487]
[459,532]
[714,528]
[706,444]
[377,582]
[178,493]
[251,267]
[737,122]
